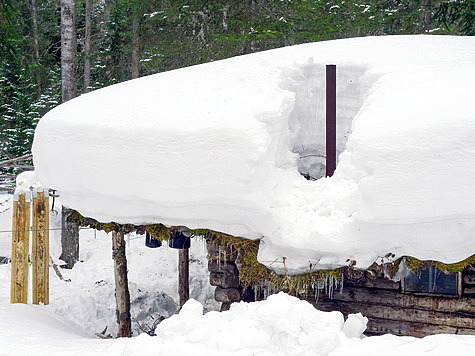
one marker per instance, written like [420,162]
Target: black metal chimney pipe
[330,119]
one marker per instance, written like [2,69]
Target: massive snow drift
[218,145]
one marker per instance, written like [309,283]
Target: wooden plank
[394,298]
[40,249]
[403,314]
[183,275]
[20,249]
[14,258]
[34,245]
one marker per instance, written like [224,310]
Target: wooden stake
[183,275]
[40,248]
[20,249]
[122,296]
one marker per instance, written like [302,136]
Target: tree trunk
[134,65]
[68,50]
[69,230]
[87,47]
[183,275]
[36,46]
[69,239]
[122,296]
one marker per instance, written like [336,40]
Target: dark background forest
[117,40]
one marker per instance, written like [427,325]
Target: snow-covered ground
[281,325]
[220,145]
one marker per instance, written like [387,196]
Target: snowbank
[218,146]
[280,325]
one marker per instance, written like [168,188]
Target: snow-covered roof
[218,145]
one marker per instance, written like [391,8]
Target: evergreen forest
[102,42]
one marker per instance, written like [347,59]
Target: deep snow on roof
[218,146]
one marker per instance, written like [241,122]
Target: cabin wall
[390,311]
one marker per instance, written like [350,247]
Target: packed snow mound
[220,145]
[280,325]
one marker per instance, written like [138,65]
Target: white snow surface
[279,326]
[83,306]
[217,146]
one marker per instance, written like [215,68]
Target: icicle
[341,285]
[330,288]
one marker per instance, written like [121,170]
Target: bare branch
[21,158]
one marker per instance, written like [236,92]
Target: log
[224,253]
[394,298]
[378,283]
[183,275]
[226,295]
[40,248]
[122,296]
[229,268]
[469,291]
[454,319]
[17,159]
[69,239]
[403,328]
[469,279]
[223,280]
[20,250]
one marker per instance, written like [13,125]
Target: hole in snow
[307,120]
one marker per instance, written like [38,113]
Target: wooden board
[20,250]
[40,249]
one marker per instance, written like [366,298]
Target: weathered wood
[122,296]
[378,283]
[227,295]
[469,291]
[403,328]
[223,280]
[393,298]
[469,279]
[229,268]
[69,239]
[454,319]
[222,253]
[183,275]
[20,249]
[40,249]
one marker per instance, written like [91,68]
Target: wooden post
[183,275]
[20,249]
[40,248]
[122,296]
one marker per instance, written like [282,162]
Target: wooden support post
[20,249]
[40,248]
[122,296]
[183,275]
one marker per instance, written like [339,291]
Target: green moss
[416,265]
[456,267]
[251,272]
[158,231]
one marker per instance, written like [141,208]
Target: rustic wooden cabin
[407,297]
